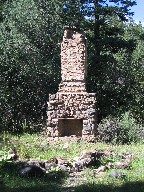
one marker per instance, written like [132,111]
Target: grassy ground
[37,147]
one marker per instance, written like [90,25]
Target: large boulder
[31,171]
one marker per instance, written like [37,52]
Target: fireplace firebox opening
[70,126]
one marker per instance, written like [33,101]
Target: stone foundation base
[71,114]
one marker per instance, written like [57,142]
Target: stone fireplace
[72,111]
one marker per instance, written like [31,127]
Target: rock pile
[88,158]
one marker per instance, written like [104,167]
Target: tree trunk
[96,29]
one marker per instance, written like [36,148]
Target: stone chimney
[71,111]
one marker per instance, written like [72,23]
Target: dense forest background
[30,36]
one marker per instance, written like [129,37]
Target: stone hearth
[72,111]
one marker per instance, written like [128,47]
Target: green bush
[120,130]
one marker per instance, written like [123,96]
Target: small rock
[120,164]
[108,152]
[116,173]
[100,169]
[128,156]
[12,154]
[50,165]
[109,165]
[87,153]
[87,161]
[63,168]
[74,174]
[61,161]
[78,165]
[100,174]
[36,162]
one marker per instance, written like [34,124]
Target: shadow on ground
[50,183]
[11,181]
[137,186]
[54,182]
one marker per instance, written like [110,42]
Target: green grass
[37,147]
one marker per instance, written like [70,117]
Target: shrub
[120,130]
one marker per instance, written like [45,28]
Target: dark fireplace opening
[70,126]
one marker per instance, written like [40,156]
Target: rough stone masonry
[72,111]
